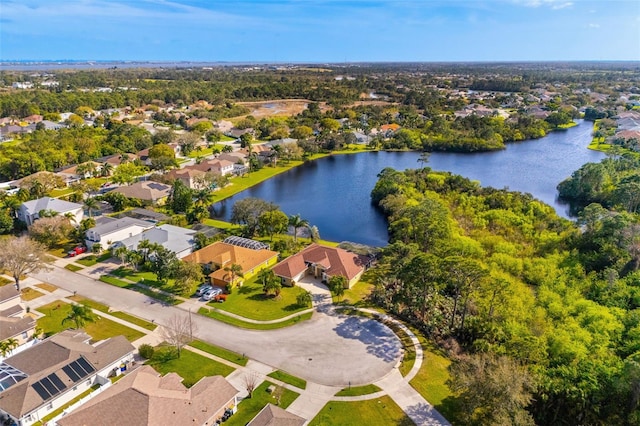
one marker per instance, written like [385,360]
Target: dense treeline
[542,323]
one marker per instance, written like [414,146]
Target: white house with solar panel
[48,375]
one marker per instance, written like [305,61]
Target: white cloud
[561,5]
[594,25]
[554,4]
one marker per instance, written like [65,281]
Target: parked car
[220,298]
[203,289]
[209,295]
[76,251]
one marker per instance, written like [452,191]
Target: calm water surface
[333,193]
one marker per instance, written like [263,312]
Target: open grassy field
[190,366]
[378,411]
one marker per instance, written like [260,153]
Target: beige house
[220,255]
[323,263]
[272,415]
[147,191]
[191,177]
[43,378]
[146,398]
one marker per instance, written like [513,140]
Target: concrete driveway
[330,349]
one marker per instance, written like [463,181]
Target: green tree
[181,198]
[126,173]
[91,204]
[247,211]
[493,390]
[304,299]
[79,315]
[162,157]
[7,345]
[164,263]
[273,222]
[234,271]
[296,222]
[188,276]
[337,285]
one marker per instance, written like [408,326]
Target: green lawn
[47,287]
[61,192]
[190,366]
[220,224]
[359,390]
[134,320]
[249,301]
[115,281]
[356,295]
[204,152]
[240,183]
[288,378]
[219,352]
[4,281]
[143,277]
[431,380]
[62,248]
[168,299]
[72,267]
[100,329]
[90,303]
[92,259]
[244,324]
[249,407]
[378,411]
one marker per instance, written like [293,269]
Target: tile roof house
[322,262]
[220,167]
[272,415]
[191,177]
[14,324]
[29,210]
[48,375]
[144,397]
[110,231]
[174,238]
[147,191]
[220,255]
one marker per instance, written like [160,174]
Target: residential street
[331,350]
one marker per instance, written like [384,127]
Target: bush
[146,351]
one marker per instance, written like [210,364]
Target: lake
[333,193]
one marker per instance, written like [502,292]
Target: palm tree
[80,315]
[71,217]
[121,253]
[234,270]
[91,205]
[106,169]
[6,346]
[296,222]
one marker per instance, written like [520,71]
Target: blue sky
[320,30]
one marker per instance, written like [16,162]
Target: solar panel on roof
[86,365]
[56,381]
[72,374]
[41,390]
[78,370]
[49,386]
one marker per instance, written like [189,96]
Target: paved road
[330,350]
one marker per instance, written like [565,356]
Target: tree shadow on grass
[291,308]
[380,341]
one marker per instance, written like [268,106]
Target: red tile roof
[335,260]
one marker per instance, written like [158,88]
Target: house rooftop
[48,203]
[111,226]
[145,190]
[336,261]
[144,397]
[53,366]
[272,415]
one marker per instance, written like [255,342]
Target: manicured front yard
[219,352]
[190,366]
[47,287]
[249,407]
[431,381]
[4,281]
[100,329]
[378,411]
[211,313]
[356,295]
[163,298]
[250,301]
[134,320]
[92,259]
[29,294]
[288,378]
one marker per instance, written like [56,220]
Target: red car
[76,251]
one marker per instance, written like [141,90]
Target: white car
[212,293]
[202,290]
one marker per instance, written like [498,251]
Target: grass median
[211,313]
